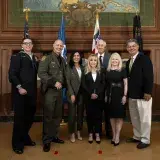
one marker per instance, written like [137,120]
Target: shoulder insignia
[43,58]
[14,55]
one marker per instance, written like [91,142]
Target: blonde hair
[88,67]
[115,55]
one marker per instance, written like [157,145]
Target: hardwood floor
[80,150]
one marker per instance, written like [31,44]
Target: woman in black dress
[116,83]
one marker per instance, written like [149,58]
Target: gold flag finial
[26,10]
[97,15]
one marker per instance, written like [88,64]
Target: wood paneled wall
[77,39]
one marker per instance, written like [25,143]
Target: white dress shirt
[79,72]
[94,75]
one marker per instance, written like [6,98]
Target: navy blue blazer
[106,60]
[140,79]
[23,70]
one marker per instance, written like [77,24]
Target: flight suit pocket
[53,68]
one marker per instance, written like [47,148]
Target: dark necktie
[100,59]
[34,63]
[59,59]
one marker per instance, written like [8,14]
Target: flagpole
[97,18]
[60,37]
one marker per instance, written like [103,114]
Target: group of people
[103,84]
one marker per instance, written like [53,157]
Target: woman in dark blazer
[93,83]
[74,94]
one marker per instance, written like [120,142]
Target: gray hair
[101,40]
[132,40]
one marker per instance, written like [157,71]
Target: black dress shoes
[132,140]
[47,147]
[116,144]
[112,142]
[57,140]
[31,143]
[142,145]
[90,141]
[98,142]
[18,151]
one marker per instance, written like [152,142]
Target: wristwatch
[19,86]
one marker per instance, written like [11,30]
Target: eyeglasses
[27,43]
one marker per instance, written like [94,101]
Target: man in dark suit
[23,76]
[140,84]
[52,74]
[102,54]
[104,59]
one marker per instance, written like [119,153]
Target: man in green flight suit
[52,74]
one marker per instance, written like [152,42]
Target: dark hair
[71,62]
[26,38]
[132,40]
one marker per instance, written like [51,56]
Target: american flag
[96,36]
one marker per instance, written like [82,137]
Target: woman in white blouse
[93,83]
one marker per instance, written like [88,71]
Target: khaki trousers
[141,113]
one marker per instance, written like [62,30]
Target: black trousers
[94,116]
[75,110]
[24,110]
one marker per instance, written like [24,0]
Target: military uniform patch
[43,58]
